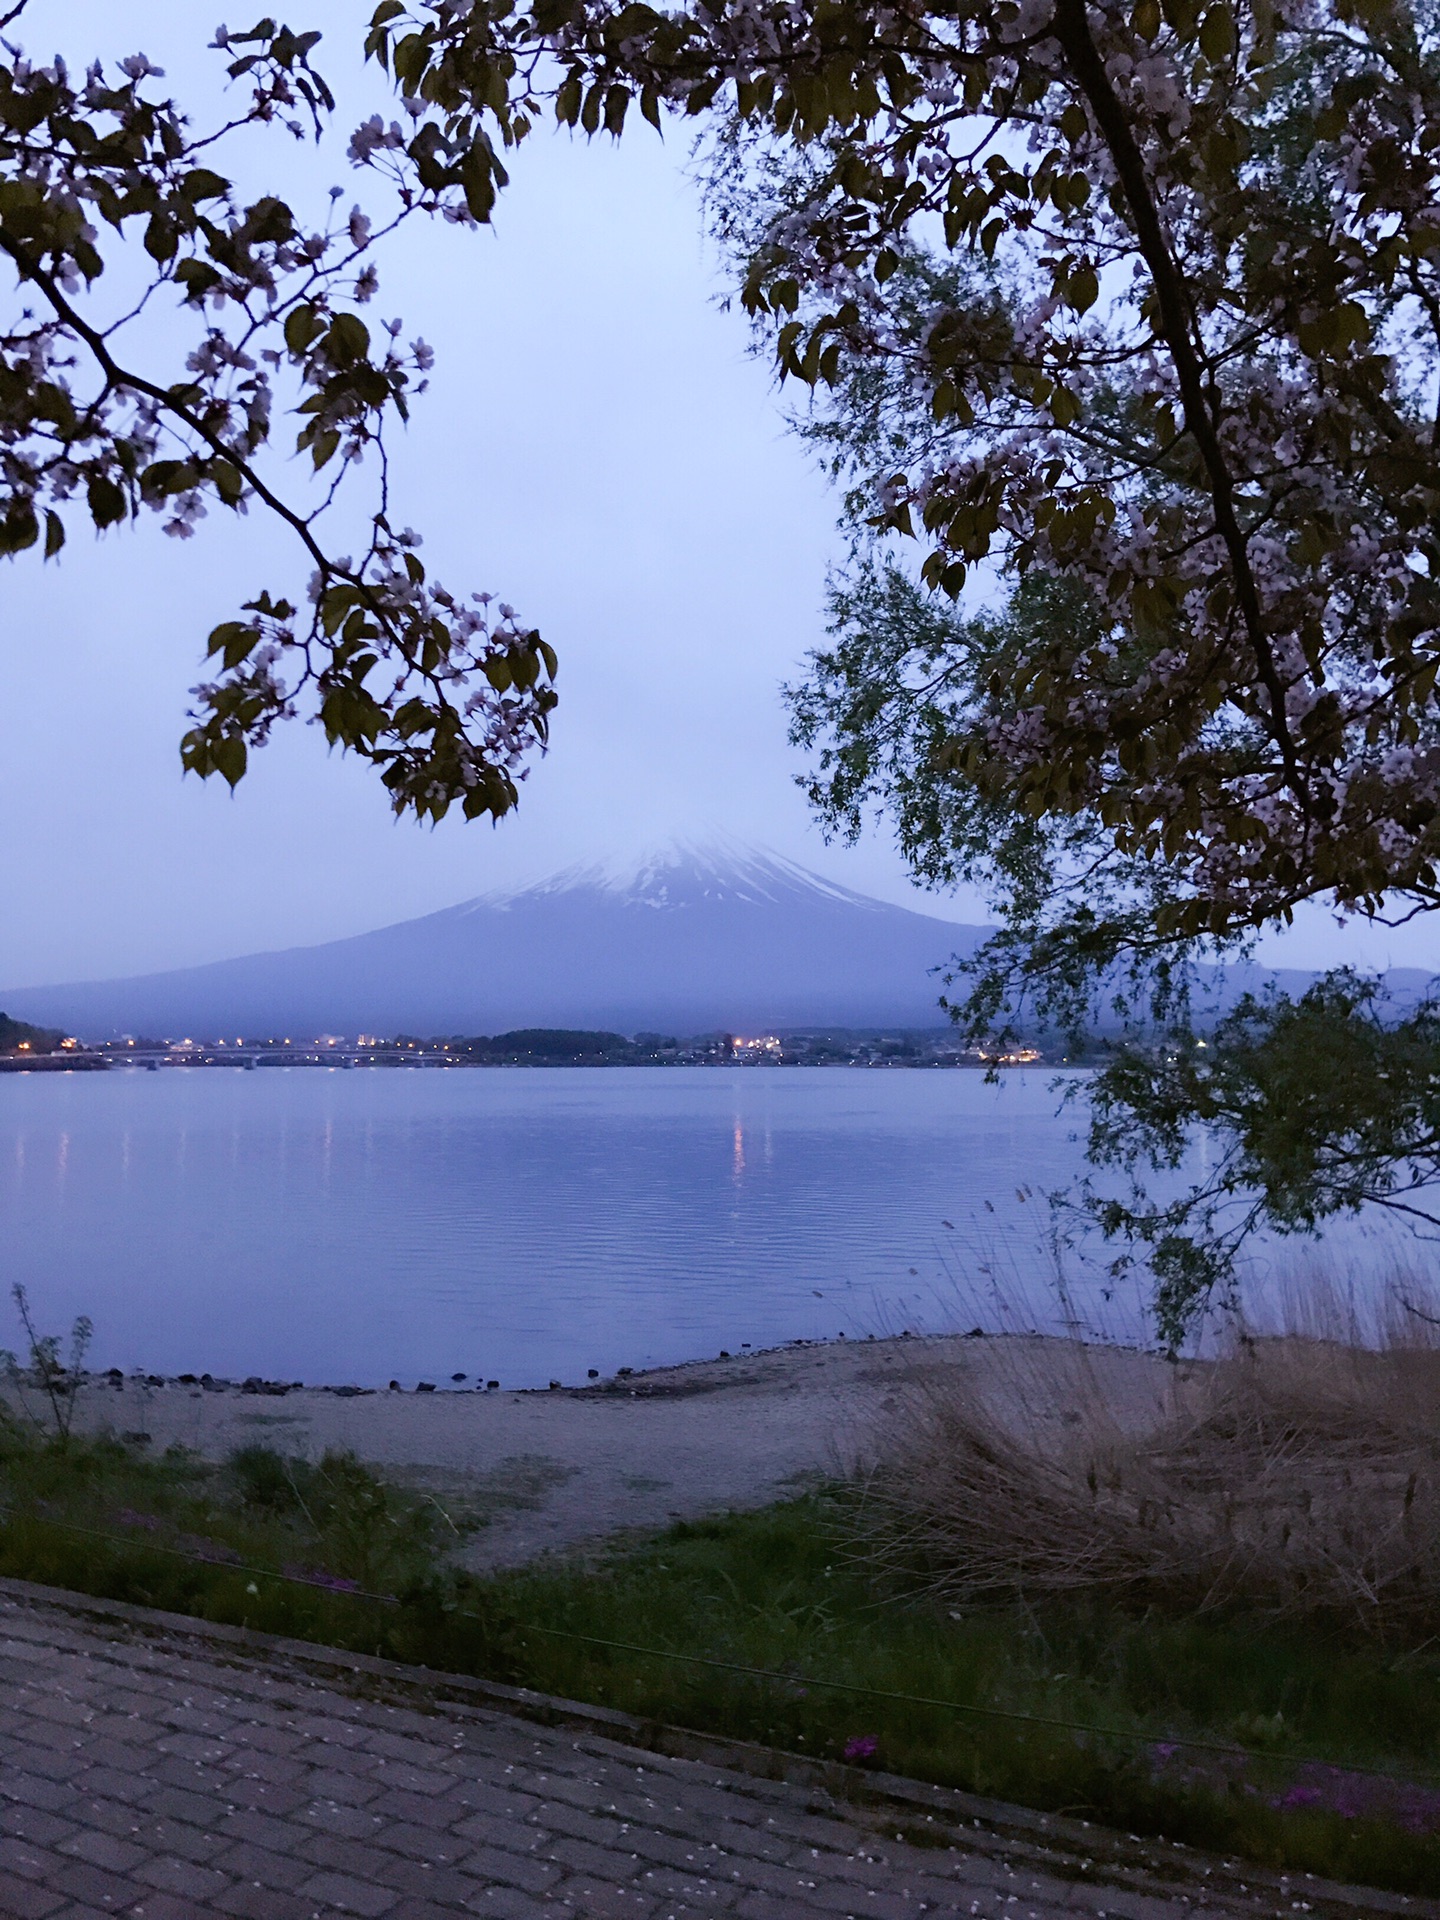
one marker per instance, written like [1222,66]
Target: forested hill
[17,1036]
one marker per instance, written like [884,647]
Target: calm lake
[525,1225]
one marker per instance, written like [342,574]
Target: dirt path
[166,1769]
[554,1469]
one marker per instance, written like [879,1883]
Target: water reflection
[529,1225]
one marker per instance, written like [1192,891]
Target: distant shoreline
[26,1049]
[929,1051]
[44,1064]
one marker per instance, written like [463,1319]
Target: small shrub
[266,1479]
[44,1376]
[364,1532]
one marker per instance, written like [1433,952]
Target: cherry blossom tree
[1122,320]
[1180,353]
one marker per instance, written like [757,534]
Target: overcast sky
[597,446]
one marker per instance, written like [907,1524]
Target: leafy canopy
[1167,333]
[111,205]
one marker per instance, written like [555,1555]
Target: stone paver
[164,1770]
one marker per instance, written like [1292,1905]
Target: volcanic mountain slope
[688,942]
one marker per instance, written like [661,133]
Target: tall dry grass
[1296,1474]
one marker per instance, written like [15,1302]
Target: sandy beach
[547,1471]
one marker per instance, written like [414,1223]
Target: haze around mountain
[686,940]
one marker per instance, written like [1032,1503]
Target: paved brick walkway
[163,1770]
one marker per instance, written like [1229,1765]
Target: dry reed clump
[1296,1475]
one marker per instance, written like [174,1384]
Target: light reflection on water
[523,1225]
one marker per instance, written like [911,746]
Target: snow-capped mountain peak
[681,874]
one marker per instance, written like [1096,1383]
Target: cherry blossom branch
[1072,29]
[118,377]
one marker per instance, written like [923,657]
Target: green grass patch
[770,1590]
[294,1548]
[325,1551]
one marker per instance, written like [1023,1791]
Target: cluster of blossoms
[446,697]
[1387,1800]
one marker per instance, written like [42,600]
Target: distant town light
[762,1043]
